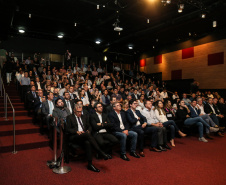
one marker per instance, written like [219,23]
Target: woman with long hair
[161,116]
[84,98]
[125,105]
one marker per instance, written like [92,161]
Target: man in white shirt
[164,94]
[152,121]
[121,131]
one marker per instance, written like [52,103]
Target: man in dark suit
[79,130]
[102,128]
[67,102]
[87,93]
[47,109]
[31,96]
[71,80]
[71,92]
[138,124]
[38,84]
[135,95]
[109,108]
[121,131]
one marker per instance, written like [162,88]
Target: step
[7,130]
[23,142]
[18,120]
[17,113]
[14,104]
[17,108]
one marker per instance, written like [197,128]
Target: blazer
[71,103]
[72,125]
[36,85]
[30,96]
[208,109]
[193,113]
[94,119]
[45,107]
[113,117]
[132,120]
[133,97]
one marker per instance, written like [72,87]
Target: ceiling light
[21,30]
[97,42]
[168,1]
[180,10]
[29,15]
[105,58]
[103,6]
[153,47]
[203,15]
[130,47]
[157,40]
[98,7]
[75,24]
[60,36]
[189,33]
[148,21]
[119,33]
[214,24]
[181,6]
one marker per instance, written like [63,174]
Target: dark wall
[31,45]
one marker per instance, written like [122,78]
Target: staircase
[27,134]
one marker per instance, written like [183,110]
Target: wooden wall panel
[210,77]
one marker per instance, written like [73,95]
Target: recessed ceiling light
[214,24]
[203,15]
[98,42]
[21,30]
[60,36]
[130,47]
[180,10]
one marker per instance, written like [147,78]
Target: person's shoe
[220,134]
[203,139]
[109,156]
[124,157]
[161,148]
[155,149]
[167,147]
[134,154]
[105,156]
[142,154]
[208,136]
[212,129]
[92,168]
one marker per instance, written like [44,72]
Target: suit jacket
[105,123]
[193,113]
[71,103]
[208,109]
[113,117]
[30,97]
[72,125]
[133,96]
[36,85]
[89,96]
[71,82]
[45,107]
[132,120]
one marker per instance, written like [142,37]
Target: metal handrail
[14,125]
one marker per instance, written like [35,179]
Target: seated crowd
[100,110]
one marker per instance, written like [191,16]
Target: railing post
[14,133]
[62,169]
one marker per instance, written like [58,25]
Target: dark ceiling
[50,17]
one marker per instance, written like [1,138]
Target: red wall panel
[188,53]
[158,59]
[216,58]
[142,62]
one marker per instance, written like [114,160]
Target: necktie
[34,94]
[81,123]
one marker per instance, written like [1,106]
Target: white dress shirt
[51,107]
[150,116]
[100,118]
[120,119]
[79,126]
[135,115]
[161,118]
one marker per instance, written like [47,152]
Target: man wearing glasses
[102,128]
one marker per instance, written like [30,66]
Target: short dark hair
[97,103]
[65,93]
[131,101]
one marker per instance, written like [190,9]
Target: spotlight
[98,7]
[130,47]
[21,30]
[203,15]
[181,6]
[97,42]
[214,24]
[180,10]
[189,33]
[60,36]
[103,6]
[29,15]
[148,21]
[75,24]
[105,58]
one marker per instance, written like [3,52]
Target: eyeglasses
[99,106]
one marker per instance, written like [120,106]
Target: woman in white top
[84,98]
[161,116]
[141,102]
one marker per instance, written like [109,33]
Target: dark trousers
[147,130]
[106,141]
[86,141]
[173,127]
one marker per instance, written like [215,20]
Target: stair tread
[23,139]
[4,128]
[17,118]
